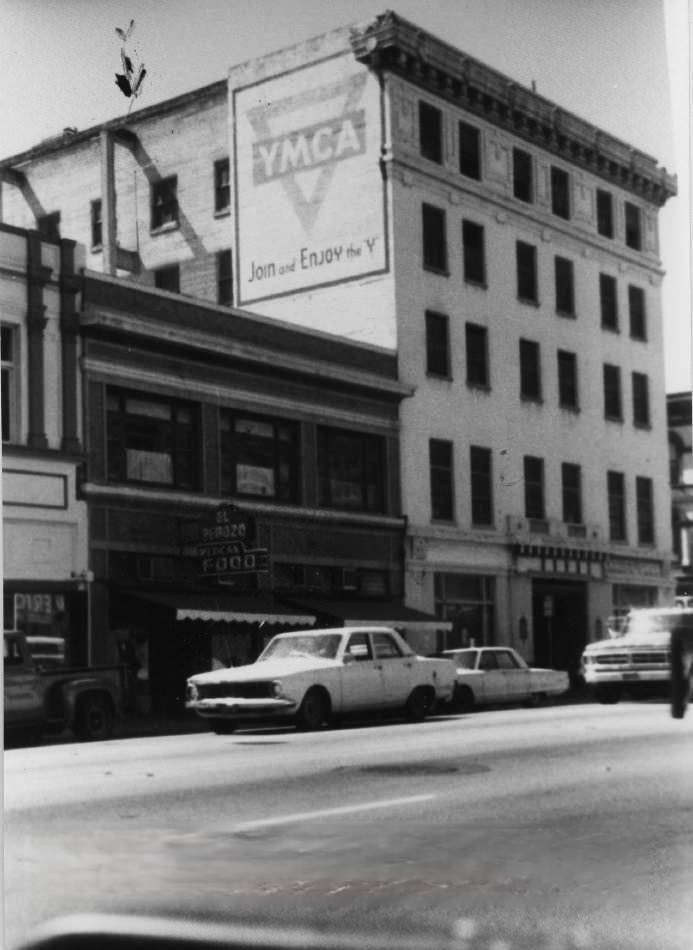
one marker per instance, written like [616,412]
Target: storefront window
[467,601]
[629,597]
[259,457]
[351,470]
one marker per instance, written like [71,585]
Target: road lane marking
[330,812]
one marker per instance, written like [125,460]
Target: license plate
[631,676]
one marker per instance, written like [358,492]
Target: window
[351,468]
[565,286]
[605,213]
[224,278]
[435,251]
[442,491]
[534,487]
[613,408]
[571,483]
[477,355]
[526,272]
[560,192]
[641,400]
[470,151]
[430,132]
[222,186]
[616,492]
[259,456]
[609,301]
[385,647]
[49,226]
[468,601]
[96,224]
[636,309]
[168,278]
[645,508]
[506,660]
[481,485]
[473,254]
[9,382]
[151,440]
[437,344]
[523,183]
[633,227]
[567,380]
[359,646]
[530,370]
[164,202]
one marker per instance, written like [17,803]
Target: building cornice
[392,44]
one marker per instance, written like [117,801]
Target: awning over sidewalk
[386,613]
[229,608]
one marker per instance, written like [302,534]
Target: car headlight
[277,689]
[191,692]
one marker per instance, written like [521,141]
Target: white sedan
[490,675]
[311,676]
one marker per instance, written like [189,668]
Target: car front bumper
[596,677]
[235,707]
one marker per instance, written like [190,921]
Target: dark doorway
[559,611]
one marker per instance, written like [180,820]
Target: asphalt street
[554,819]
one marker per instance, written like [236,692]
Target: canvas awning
[385,613]
[214,607]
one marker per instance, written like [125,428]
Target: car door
[397,668]
[23,695]
[516,677]
[492,679]
[363,685]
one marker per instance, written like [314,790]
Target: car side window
[385,647]
[506,661]
[488,661]
[359,647]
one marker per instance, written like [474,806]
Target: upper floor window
[351,468]
[641,400]
[616,495]
[224,278]
[476,340]
[152,440]
[96,224]
[49,226]
[645,510]
[435,249]
[560,192]
[571,484]
[164,202]
[431,132]
[523,178]
[473,253]
[481,485]
[8,354]
[470,151]
[222,185]
[442,481]
[534,487]
[613,407]
[565,286]
[608,300]
[437,344]
[605,213]
[636,310]
[530,370]
[259,456]
[633,226]
[526,260]
[168,278]
[567,380]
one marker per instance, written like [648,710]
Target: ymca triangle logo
[300,140]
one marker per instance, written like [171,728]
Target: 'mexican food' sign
[308,188]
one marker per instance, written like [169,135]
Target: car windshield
[465,659]
[319,645]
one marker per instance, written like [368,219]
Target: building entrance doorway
[559,611]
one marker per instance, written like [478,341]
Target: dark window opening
[259,457]
[470,151]
[481,485]
[636,309]
[224,278]
[168,278]
[641,400]
[608,299]
[526,272]
[49,226]
[613,408]
[476,339]
[431,132]
[534,487]
[435,252]
[222,185]
[442,485]
[530,370]
[565,286]
[96,224]
[473,253]
[605,213]
[523,184]
[8,394]
[633,226]
[437,344]
[645,509]
[351,468]
[616,492]
[567,380]
[560,192]
[164,202]
[571,481]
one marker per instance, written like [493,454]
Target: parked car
[311,676]
[489,675]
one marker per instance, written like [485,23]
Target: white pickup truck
[312,676]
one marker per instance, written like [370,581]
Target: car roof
[340,630]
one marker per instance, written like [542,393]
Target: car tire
[463,699]
[93,719]
[221,727]
[680,679]
[314,711]
[607,695]
[420,704]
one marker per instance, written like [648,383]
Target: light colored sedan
[490,675]
[311,676]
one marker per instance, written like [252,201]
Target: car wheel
[222,727]
[314,711]
[93,719]
[420,704]
[607,695]
[463,699]
[680,679]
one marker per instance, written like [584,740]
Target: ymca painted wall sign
[309,195]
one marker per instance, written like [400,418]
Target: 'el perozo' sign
[225,546]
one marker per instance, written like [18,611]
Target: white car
[489,675]
[311,676]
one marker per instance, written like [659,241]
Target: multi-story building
[387,187]
[45,556]
[680,422]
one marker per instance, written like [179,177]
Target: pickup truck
[40,701]
[638,661]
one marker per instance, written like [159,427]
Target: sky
[623,65]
